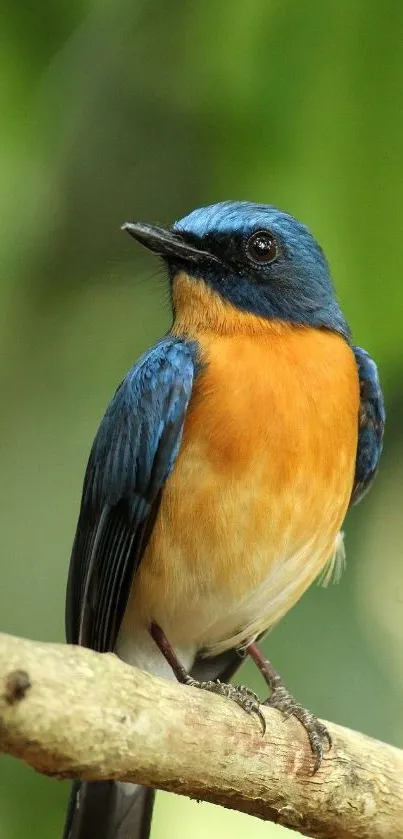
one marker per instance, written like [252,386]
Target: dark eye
[262,246]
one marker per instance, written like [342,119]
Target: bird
[221,473]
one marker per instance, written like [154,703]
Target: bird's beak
[164,242]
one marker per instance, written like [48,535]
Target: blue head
[257,258]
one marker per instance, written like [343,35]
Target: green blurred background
[113,110]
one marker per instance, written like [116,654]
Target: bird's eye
[262,246]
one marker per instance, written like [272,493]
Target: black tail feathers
[109,810]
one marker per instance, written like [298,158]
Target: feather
[133,454]
[371,423]
[336,563]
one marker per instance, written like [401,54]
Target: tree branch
[70,712]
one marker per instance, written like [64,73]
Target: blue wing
[371,423]
[132,456]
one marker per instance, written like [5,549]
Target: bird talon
[243,696]
[317,733]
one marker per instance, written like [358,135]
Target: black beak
[166,243]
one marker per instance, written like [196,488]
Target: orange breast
[253,508]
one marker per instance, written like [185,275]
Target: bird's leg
[240,694]
[282,699]
[161,640]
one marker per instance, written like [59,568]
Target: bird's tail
[109,810]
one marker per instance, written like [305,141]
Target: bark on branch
[70,712]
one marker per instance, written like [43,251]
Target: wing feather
[132,456]
[371,423]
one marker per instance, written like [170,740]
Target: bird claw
[243,696]
[316,731]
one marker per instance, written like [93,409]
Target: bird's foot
[318,734]
[240,694]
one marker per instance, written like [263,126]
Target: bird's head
[238,257]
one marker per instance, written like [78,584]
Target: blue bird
[221,473]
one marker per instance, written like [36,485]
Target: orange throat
[199,309]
